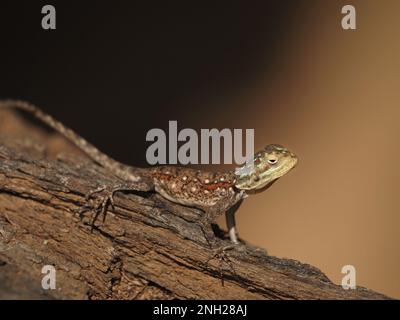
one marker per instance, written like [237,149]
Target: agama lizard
[213,193]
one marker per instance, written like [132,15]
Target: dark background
[114,70]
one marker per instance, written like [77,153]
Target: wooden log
[147,247]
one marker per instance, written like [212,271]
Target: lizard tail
[94,153]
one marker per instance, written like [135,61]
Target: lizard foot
[223,257]
[105,201]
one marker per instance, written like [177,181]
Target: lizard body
[215,193]
[193,187]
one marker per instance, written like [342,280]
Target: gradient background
[287,69]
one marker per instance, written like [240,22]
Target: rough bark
[147,247]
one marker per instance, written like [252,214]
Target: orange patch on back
[214,186]
[162,176]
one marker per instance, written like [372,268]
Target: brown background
[336,102]
[286,69]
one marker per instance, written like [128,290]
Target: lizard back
[193,187]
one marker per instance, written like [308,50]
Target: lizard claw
[106,200]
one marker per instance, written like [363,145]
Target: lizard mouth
[261,189]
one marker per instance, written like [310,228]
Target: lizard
[215,193]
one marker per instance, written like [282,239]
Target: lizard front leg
[211,214]
[227,206]
[231,223]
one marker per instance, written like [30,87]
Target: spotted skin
[214,193]
[193,187]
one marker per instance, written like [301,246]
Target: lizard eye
[272,159]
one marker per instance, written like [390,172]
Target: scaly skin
[214,193]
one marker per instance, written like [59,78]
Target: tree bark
[147,247]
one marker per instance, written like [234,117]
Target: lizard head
[265,167]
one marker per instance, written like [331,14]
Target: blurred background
[287,69]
